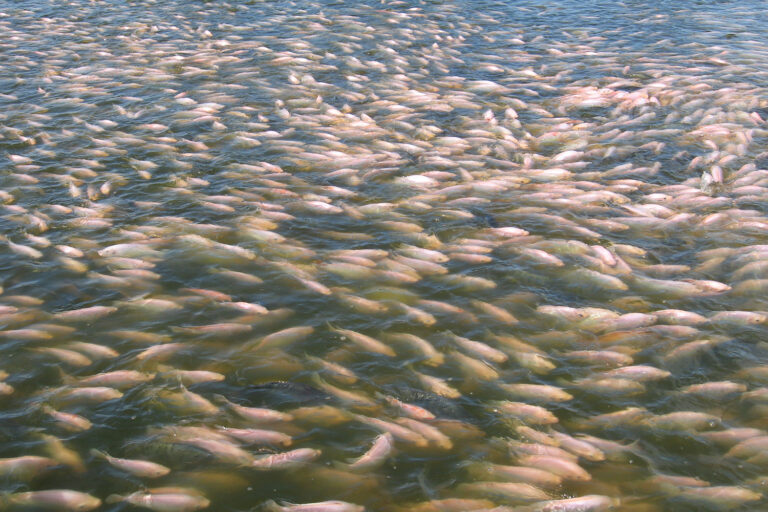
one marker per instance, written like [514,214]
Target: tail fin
[221,399]
[47,409]
[65,377]
[254,344]
[317,380]
[114,498]
[341,466]
[636,448]
[272,506]
[98,454]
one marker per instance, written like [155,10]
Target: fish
[58,499]
[140,468]
[364,342]
[285,460]
[118,379]
[506,491]
[398,432]
[537,392]
[521,474]
[282,338]
[26,467]
[376,455]
[172,500]
[69,421]
[587,503]
[255,414]
[322,506]
[531,414]
[412,256]
[721,496]
[564,468]
[257,436]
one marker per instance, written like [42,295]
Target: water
[185,165]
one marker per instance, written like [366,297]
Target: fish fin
[98,453]
[358,417]
[273,506]
[221,399]
[317,380]
[477,470]
[343,466]
[114,498]
[65,377]
[253,344]
[47,409]
[422,479]
[635,449]
[270,505]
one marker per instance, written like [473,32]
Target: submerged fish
[447,256]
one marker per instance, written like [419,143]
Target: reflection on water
[386,256]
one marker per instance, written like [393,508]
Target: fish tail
[272,506]
[65,377]
[421,478]
[343,466]
[221,399]
[47,409]
[636,449]
[317,380]
[114,498]
[98,453]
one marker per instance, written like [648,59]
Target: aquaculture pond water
[389,256]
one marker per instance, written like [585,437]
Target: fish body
[140,468]
[322,506]
[376,455]
[285,460]
[163,501]
[55,499]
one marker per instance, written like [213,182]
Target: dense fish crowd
[387,256]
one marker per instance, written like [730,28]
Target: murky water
[516,250]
